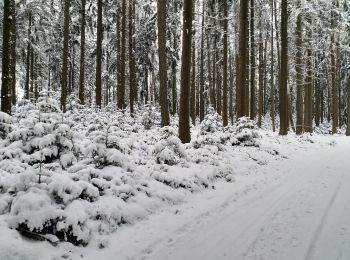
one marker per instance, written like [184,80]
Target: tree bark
[82,54]
[184,124]
[162,61]
[284,70]
[243,20]
[65,56]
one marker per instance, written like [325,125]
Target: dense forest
[283,60]
[114,113]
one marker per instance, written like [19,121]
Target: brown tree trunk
[243,20]
[184,124]
[284,70]
[65,55]
[252,61]
[162,62]
[121,84]
[225,66]
[7,59]
[82,54]
[299,73]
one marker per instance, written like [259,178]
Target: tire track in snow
[320,226]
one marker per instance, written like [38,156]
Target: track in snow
[305,214]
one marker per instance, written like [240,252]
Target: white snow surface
[288,199]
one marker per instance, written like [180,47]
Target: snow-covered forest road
[296,209]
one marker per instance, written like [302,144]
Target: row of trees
[243,57]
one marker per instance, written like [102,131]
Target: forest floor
[297,209]
[293,206]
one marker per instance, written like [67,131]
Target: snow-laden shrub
[169,150]
[41,139]
[5,124]
[149,117]
[211,131]
[245,133]
[324,128]
[105,148]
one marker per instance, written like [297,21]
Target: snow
[100,184]
[273,204]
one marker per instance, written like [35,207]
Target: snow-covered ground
[294,205]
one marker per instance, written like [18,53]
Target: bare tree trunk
[184,124]
[272,94]
[121,84]
[162,61]
[193,86]
[284,70]
[132,62]
[225,66]
[299,71]
[82,54]
[26,88]
[65,56]
[201,91]
[252,62]
[243,19]
[99,55]
[7,59]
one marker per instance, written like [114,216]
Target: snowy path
[299,210]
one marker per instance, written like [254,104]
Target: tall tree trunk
[272,94]
[13,53]
[201,77]
[132,63]
[99,55]
[174,65]
[261,78]
[82,54]
[299,72]
[27,83]
[162,61]
[242,64]
[7,59]
[284,69]
[121,84]
[225,65]
[252,61]
[193,86]
[65,56]
[184,124]
[335,100]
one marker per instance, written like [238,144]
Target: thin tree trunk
[201,77]
[121,84]
[193,86]
[225,65]
[26,88]
[99,55]
[252,62]
[162,61]
[132,62]
[65,55]
[299,73]
[82,54]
